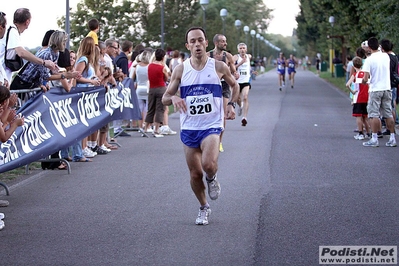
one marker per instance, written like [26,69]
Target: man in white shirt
[377,65]
[22,19]
[3,26]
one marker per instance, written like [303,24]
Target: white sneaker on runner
[213,188]
[202,218]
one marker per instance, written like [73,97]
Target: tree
[355,21]
[140,22]
[117,20]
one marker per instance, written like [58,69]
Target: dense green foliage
[140,20]
[355,21]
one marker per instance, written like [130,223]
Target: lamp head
[223,13]
[331,19]
[237,23]
[204,3]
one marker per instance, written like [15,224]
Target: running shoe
[1,225]
[221,147]
[203,215]
[244,122]
[379,134]
[1,216]
[391,143]
[371,143]
[239,110]
[213,188]
[359,136]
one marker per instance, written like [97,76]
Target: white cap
[365,44]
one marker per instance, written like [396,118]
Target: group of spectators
[373,81]
[95,63]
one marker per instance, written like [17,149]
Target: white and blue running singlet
[244,70]
[202,91]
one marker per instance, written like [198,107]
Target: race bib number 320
[200,104]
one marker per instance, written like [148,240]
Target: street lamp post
[67,23]
[223,15]
[162,25]
[246,30]
[262,40]
[331,20]
[253,41]
[237,23]
[203,4]
[257,43]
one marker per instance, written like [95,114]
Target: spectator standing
[387,47]
[157,76]
[348,67]
[94,27]
[3,26]
[376,68]
[122,64]
[36,75]
[140,74]
[22,18]
[361,95]
[85,65]
[10,120]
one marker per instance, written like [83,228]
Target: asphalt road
[293,179]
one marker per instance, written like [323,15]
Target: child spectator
[360,98]
[94,27]
[9,122]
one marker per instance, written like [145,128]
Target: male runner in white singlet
[201,115]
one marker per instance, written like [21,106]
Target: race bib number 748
[200,104]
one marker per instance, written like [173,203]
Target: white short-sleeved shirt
[14,40]
[377,65]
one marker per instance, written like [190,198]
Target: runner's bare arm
[232,65]
[224,72]
[170,96]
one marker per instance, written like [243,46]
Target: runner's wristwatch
[232,104]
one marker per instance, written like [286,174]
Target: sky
[284,15]
[283,22]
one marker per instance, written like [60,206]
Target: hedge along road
[293,179]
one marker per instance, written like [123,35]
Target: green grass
[11,175]
[337,82]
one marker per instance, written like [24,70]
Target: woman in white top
[140,73]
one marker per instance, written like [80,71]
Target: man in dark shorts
[220,54]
